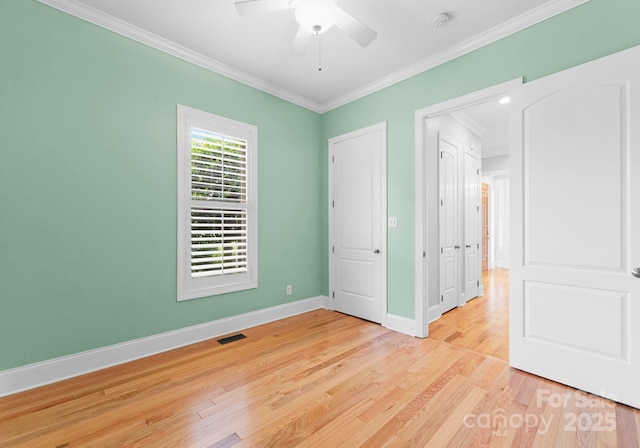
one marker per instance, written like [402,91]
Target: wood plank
[549,421]
[627,426]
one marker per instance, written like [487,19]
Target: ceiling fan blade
[359,31]
[301,42]
[247,7]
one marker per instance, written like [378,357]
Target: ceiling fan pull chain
[317,30]
[319,55]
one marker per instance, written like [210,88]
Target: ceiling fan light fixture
[314,15]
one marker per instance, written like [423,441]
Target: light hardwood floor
[482,324]
[323,379]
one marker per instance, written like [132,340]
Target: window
[217,205]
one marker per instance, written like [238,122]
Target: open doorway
[490,120]
[467,109]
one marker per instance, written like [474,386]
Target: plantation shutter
[219,202]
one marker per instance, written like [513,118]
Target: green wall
[590,31]
[88,172]
[88,188]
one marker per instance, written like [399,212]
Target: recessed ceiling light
[441,20]
[504,100]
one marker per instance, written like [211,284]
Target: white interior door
[575,166]
[357,217]
[449,248]
[472,225]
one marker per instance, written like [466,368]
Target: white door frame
[425,274]
[382,128]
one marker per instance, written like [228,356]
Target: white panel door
[449,248]
[357,214]
[472,225]
[575,166]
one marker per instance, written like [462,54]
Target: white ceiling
[493,118]
[255,49]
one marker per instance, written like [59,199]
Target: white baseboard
[433,313]
[400,324]
[46,372]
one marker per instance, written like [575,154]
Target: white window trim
[192,288]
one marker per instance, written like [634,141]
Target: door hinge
[333,159]
[477,245]
[333,249]
[441,153]
[478,283]
[442,250]
[478,171]
[477,208]
[442,298]
[333,204]
[424,254]
[441,202]
[333,294]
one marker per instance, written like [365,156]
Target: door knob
[456,247]
[376,251]
[635,272]
[468,246]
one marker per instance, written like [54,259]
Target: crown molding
[92,15]
[536,15]
[468,122]
[126,29]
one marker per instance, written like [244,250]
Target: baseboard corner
[400,324]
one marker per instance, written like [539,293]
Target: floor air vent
[228,339]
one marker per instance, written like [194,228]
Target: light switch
[393,222]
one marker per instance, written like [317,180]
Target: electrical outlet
[393,222]
[289,290]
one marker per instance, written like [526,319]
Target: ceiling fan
[314,17]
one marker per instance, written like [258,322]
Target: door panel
[357,278]
[576,139]
[357,205]
[575,162]
[356,219]
[598,308]
[449,247]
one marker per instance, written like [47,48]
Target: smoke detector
[441,20]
